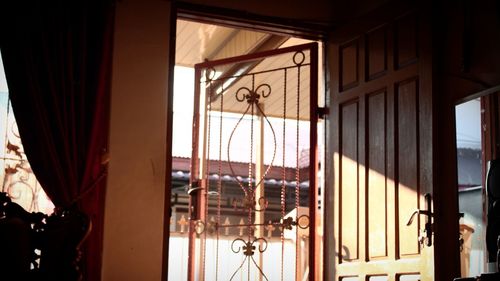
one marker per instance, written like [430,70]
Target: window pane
[16,177]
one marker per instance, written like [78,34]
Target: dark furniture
[34,246]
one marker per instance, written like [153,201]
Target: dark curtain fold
[57,60]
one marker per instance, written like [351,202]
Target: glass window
[16,177]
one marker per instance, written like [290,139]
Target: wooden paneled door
[381,141]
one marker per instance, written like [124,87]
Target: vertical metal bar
[313,166]
[193,179]
[283,177]
[219,183]
[259,178]
[203,171]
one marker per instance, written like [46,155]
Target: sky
[468,122]
[240,142]
[3,82]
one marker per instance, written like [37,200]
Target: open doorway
[251,162]
[470,187]
[477,127]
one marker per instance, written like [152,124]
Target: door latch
[427,238]
[193,192]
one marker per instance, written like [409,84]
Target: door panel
[380,138]
[408,164]
[349,183]
[376,184]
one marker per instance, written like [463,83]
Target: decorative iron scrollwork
[301,222]
[19,181]
[248,246]
[253,96]
[249,249]
[299,58]
[199,227]
[287,223]
[210,74]
[248,203]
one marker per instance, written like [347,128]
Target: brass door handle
[419,212]
[428,217]
[193,189]
[193,192]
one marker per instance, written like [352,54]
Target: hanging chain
[250,170]
[219,184]
[283,177]
[229,154]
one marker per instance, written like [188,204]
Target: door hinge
[322,112]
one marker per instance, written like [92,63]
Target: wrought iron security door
[253,191]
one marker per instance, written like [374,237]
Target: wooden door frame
[230,18]
[490,138]
[447,263]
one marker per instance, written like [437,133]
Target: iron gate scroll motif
[238,118]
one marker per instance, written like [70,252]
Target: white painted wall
[133,231]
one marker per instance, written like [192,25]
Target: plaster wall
[134,214]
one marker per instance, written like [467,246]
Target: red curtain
[57,61]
